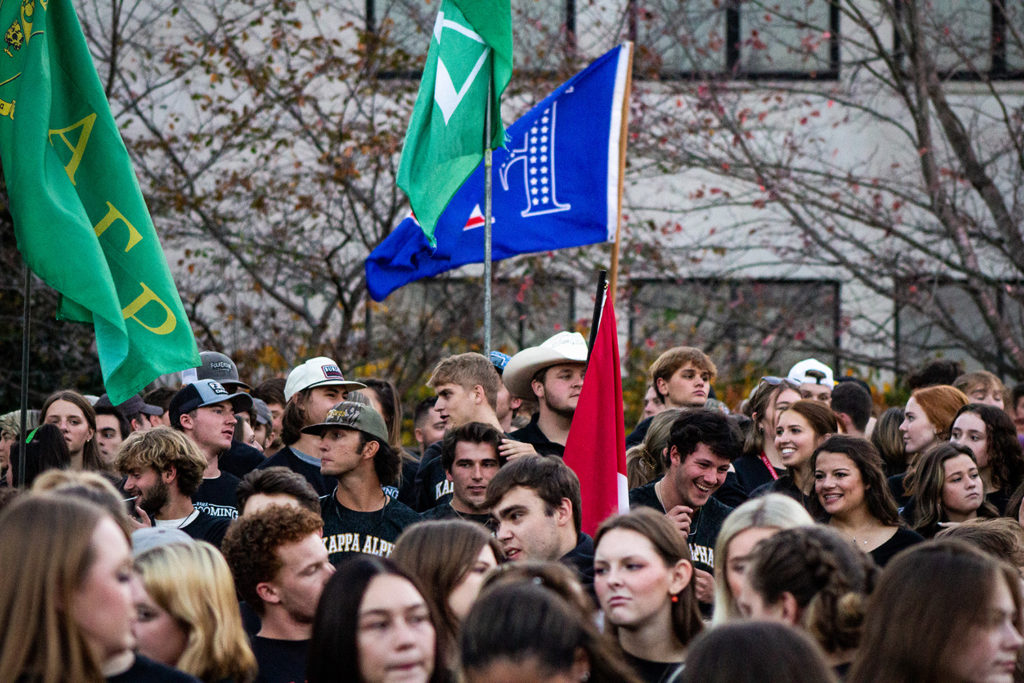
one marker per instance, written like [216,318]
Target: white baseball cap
[317,372]
[811,371]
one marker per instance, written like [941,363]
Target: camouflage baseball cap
[351,415]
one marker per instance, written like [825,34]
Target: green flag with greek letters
[470,49]
[79,216]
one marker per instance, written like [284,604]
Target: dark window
[778,39]
[944,318]
[973,40]
[748,327]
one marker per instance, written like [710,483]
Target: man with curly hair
[280,567]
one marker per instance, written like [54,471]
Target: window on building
[776,39]
[943,318]
[974,40]
[448,313]
[748,327]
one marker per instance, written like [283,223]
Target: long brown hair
[929,479]
[91,459]
[45,551]
[418,552]
[926,599]
[671,547]
[877,496]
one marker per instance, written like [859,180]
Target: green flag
[471,48]
[79,216]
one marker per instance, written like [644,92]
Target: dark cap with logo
[205,392]
[221,368]
[352,415]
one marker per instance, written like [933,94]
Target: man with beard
[280,567]
[553,374]
[469,456]
[163,469]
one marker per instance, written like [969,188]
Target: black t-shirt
[206,527]
[581,558]
[347,532]
[752,472]
[651,672]
[145,670]
[532,435]
[432,486]
[704,525]
[280,661]
[240,459]
[308,467]
[787,487]
[446,511]
[217,496]
[903,538]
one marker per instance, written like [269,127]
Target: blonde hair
[45,551]
[162,448]
[89,485]
[193,584]
[772,511]
[645,462]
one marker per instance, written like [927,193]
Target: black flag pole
[27,308]
[602,283]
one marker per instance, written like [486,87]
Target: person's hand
[140,520]
[705,585]
[681,516]
[515,449]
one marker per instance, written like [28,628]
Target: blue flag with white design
[555,185]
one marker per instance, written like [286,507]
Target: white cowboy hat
[564,347]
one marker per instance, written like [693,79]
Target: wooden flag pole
[623,139]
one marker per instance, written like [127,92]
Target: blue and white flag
[555,185]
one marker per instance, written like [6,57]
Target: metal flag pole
[24,375]
[487,220]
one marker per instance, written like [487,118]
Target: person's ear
[682,573]
[170,474]
[186,421]
[268,592]
[370,449]
[538,388]
[580,666]
[563,513]
[791,611]
[673,456]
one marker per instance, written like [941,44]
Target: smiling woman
[798,431]
[851,492]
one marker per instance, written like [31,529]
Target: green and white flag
[470,49]
[80,219]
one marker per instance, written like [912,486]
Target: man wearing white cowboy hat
[553,374]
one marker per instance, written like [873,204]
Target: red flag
[596,447]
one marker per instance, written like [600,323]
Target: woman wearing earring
[798,431]
[643,580]
[851,493]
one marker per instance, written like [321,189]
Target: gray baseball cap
[352,415]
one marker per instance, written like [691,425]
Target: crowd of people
[286,532]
